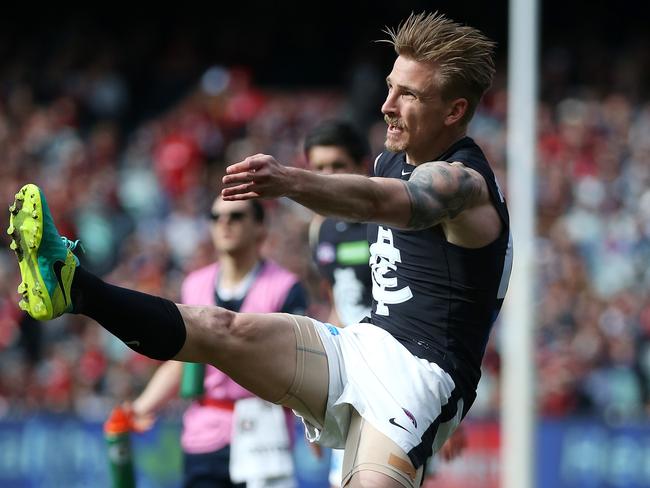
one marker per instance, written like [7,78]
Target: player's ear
[456,110]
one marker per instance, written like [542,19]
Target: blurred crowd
[136,191]
[592,313]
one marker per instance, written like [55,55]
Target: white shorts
[401,395]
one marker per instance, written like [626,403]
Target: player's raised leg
[279,357]
[266,353]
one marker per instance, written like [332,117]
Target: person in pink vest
[241,280]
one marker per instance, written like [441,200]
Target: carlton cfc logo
[384,257]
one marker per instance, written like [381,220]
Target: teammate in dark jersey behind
[393,391]
[340,248]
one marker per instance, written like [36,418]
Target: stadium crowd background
[130,155]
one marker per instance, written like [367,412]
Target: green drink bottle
[192,380]
[117,434]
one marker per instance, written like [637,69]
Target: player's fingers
[240,192]
[241,196]
[232,179]
[251,163]
[237,189]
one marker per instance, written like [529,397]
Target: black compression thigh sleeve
[150,325]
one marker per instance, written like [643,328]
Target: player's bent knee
[241,329]
[208,330]
[218,321]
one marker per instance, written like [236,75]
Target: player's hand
[259,176]
[452,448]
[140,422]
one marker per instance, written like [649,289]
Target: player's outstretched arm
[350,197]
[436,191]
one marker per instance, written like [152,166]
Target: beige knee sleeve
[367,449]
[308,392]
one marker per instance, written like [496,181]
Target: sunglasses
[232,216]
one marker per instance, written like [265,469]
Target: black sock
[147,324]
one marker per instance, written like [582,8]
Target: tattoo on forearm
[437,192]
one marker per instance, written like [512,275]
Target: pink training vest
[207,428]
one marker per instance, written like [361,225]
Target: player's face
[234,228]
[414,110]
[332,160]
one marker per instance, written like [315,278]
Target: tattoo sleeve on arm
[440,191]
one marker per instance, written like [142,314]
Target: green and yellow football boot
[46,261]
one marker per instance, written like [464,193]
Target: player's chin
[395,145]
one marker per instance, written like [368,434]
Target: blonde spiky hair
[463,55]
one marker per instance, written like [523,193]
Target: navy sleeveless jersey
[437,299]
